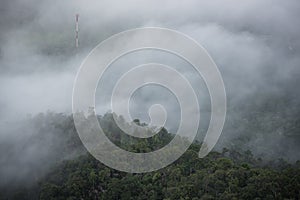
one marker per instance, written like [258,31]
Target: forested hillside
[64,170]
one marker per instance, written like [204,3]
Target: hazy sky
[255,43]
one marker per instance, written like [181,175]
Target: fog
[254,43]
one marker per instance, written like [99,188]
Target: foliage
[220,175]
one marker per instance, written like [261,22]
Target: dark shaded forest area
[64,170]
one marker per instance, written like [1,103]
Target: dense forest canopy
[63,169]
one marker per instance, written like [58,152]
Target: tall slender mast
[77,31]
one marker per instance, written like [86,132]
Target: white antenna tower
[77,31]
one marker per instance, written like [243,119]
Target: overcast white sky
[255,44]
